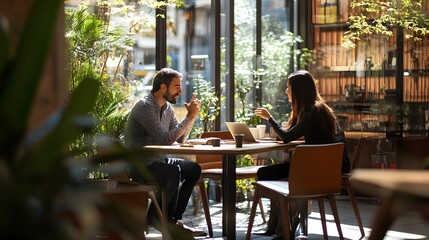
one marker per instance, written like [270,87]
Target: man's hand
[193,107]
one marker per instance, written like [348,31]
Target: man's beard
[170,98]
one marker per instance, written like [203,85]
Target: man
[152,121]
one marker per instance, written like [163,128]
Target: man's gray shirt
[150,124]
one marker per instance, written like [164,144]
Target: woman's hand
[262,113]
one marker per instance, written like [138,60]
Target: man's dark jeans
[179,177]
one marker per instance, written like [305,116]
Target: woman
[311,118]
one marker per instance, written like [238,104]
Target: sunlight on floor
[404,228]
[315,227]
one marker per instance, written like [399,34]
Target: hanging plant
[374,17]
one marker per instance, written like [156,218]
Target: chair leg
[352,197]
[261,207]
[256,199]
[284,215]
[162,213]
[164,220]
[322,217]
[294,224]
[205,202]
[152,197]
[197,201]
[333,204]
[385,216]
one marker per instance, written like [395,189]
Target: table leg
[390,208]
[229,197]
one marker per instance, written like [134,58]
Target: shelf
[351,80]
[353,71]
[327,27]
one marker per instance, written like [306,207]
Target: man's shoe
[191,231]
[269,232]
[279,237]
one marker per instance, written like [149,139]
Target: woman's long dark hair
[305,94]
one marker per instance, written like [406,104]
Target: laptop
[242,128]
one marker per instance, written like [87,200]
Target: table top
[229,149]
[382,182]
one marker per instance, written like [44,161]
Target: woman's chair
[315,173]
[211,168]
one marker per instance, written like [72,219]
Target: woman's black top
[309,127]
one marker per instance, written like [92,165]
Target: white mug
[261,130]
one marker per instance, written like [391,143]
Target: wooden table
[398,190]
[229,155]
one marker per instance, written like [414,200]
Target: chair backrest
[413,152]
[220,134]
[366,149]
[358,151]
[117,174]
[316,169]
[212,161]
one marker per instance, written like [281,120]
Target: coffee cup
[239,138]
[215,142]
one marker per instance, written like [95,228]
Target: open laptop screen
[240,128]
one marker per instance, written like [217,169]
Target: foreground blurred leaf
[21,78]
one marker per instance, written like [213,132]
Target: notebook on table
[242,128]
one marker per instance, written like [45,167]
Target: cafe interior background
[236,56]
[380,85]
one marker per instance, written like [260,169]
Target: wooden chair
[346,184]
[315,173]
[133,204]
[211,166]
[367,147]
[121,189]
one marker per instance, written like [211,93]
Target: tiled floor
[410,225]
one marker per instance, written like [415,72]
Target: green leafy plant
[37,181]
[248,116]
[91,42]
[373,17]
[245,185]
[210,105]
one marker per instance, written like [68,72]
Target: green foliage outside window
[90,43]
[272,68]
[373,17]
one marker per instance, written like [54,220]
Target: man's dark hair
[164,76]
